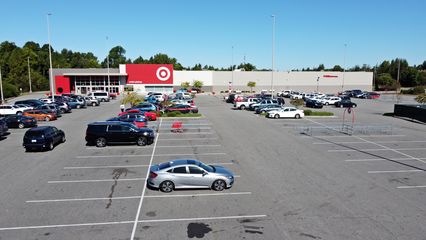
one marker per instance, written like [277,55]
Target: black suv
[31,102]
[3,127]
[345,103]
[102,133]
[46,137]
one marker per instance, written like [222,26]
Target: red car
[151,116]
[183,108]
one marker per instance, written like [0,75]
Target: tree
[185,85]
[197,84]
[385,81]
[197,67]
[337,68]
[132,98]
[116,57]
[320,67]
[247,67]
[251,85]
[421,98]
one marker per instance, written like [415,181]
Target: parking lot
[288,185]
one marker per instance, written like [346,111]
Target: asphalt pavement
[327,185]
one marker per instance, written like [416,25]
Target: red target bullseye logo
[163,74]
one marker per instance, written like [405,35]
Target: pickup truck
[245,103]
[264,102]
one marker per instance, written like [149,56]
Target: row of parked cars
[27,113]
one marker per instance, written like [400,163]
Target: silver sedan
[189,174]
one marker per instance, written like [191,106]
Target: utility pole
[398,85]
[273,55]
[52,86]
[29,74]
[1,88]
[108,65]
[344,67]
[232,70]
[318,84]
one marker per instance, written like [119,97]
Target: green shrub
[317,113]
[415,90]
[421,98]
[307,112]
[10,90]
[297,102]
[172,114]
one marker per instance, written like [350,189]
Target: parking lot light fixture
[1,88]
[318,84]
[273,55]
[52,87]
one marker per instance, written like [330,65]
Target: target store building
[143,78]
[133,77]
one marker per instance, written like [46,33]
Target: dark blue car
[19,121]
[145,107]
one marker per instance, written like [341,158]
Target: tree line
[15,60]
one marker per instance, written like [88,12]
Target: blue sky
[308,32]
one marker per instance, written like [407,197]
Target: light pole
[1,88]
[344,67]
[318,84]
[232,70]
[108,64]
[29,74]
[273,55]
[52,86]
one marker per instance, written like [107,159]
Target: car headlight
[145,133]
[230,177]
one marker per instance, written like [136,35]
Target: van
[101,95]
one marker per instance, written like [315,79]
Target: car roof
[109,123]
[36,129]
[179,162]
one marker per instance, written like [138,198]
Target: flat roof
[94,74]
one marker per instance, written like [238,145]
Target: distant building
[162,78]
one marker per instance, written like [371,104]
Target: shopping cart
[177,127]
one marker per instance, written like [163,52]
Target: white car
[46,100]
[330,100]
[287,112]
[24,107]
[11,110]
[296,96]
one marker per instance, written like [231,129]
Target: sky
[222,32]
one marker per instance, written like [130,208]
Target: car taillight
[152,175]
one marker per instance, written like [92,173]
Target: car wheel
[277,116]
[101,142]
[263,111]
[63,139]
[19,113]
[142,141]
[46,119]
[219,185]
[78,107]
[167,186]
[62,111]
[353,105]
[51,146]
[297,116]
[93,104]
[149,118]
[21,125]
[102,100]
[242,107]
[326,103]
[341,106]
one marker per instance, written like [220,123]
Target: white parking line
[380,159]
[376,149]
[127,222]
[145,155]
[137,197]
[129,166]
[408,187]
[188,133]
[138,147]
[328,143]
[144,187]
[377,144]
[187,139]
[397,171]
[349,136]
[97,180]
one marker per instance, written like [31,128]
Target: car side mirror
[204,174]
